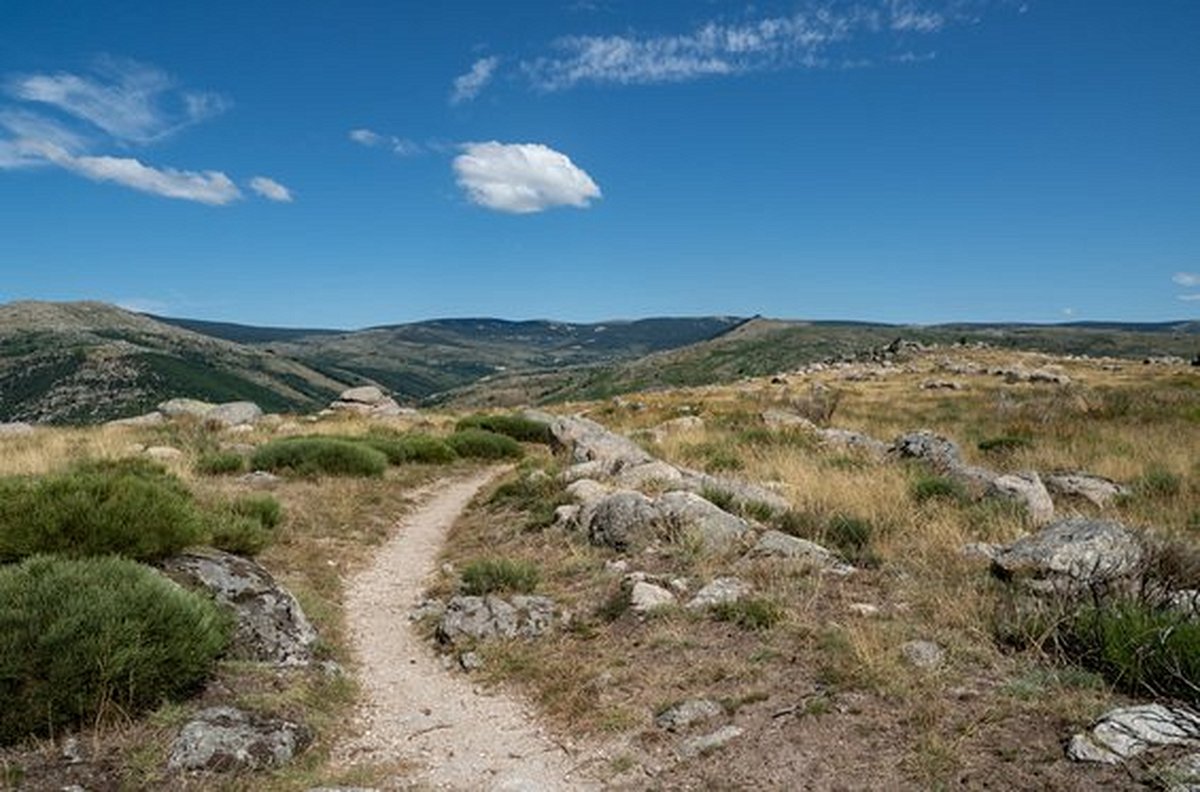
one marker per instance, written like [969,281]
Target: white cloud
[132,102]
[1188,279]
[271,189]
[468,86]
[824,36]
[402,147]
[1189,297]
[521,178]
[206,187]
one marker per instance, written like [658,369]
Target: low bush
[264,509]
[518,427]
[495,575]
[131,508]
[481,444]
[315,456]
[852,536]
[754,613]
[410,448]
[537,494]
[926,488]
[83,639]
[1158,482]
[217,463]
[242,536]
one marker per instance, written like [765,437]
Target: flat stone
[777,544]
[1072,552]
[721,591]
[709,742]
[923,654]
[225,739]
[690,514]
[645,597]
[687,713]
[163,453]
[1123,733]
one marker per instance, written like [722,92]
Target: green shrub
[86,638]
[926,488]
[217,463]
[1138,648]
[852,536]
[1158,482]
[538,496]
[491,575]
[129,508]
[754,613]
[518,427]
[1005,444]
[481,444]
[314,456]
[240,535]
[410,448]
[265,509]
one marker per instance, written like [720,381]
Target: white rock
[1126,732]
[720,591]
[645,597]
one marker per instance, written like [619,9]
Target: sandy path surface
[458,736]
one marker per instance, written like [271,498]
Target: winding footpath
[413,711]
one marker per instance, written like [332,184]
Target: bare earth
[414,711]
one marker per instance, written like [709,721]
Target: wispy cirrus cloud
[1188,280]
[399,146]
[130,101]
[469,85]
[522,178]
[61,119]
[821,35]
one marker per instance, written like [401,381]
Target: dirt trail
[413,710]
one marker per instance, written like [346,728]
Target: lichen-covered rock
[238,413]
[589,441]
[1128,731]
[721,591]
[741,494]
[622,519]
[645,597]
[174,408]
[649,474]
[1026,489]
[689,514]
[270,625]
[923,654]
[1070,553]
[478,618]
[153,418]
[941,453]
[1097,490]
[782,419]
[854,441]
[776,544]
[163,453]
[696,746]
[224,739]
[16,429]
[687,713]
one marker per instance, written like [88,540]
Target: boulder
[1123,733]
[1070,553]
[589,441]
[271,627]
[684,424]
[238,413]
[583,471]
[649,474]
[719,592]
[224,739]
[776,544]
[939,452]
[477,618]
[645,597]
[856,441]
[709,742]
[369,395]
[687,713]
[689,514]
[15,429]
[1028,490]
[370,401]
[259,479]
[923,654]
[163,453]
[622,519]
[175,408]
[1097,490]
[740,493]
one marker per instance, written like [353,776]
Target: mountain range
[85,362]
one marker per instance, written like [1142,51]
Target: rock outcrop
[369,400]
[225,739]
[468,618]
[1070,554]
[271,627]
[1126,732]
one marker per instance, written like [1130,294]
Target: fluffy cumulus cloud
[1188,280]
[522,178]
[271,189]
[824,35]
[121,103]
[468,86]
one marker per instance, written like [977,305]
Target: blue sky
[353,163]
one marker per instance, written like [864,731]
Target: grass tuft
[499,575]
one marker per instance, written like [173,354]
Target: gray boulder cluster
[370,401]
[469,618]
[606,477]
[226,415]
